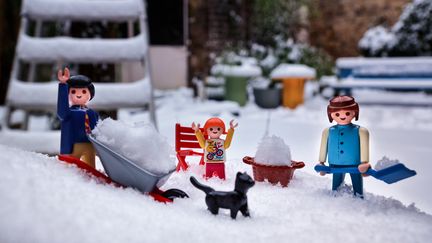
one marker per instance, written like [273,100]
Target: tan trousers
[84,152]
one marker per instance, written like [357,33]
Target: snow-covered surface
[272,150]
[81,50]
[108,95]
[353,62]
[285,70]
[43,200]
[401,70]
[245,70]
[114,10]
[385,162]
[389,83]
[37,141]
[140,143]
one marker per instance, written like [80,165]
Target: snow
[35,141]
[44,200]
[245,70]
[292,70]
[353,62]
[396,70]
[376,38]
[81,50]
[272,150]
[44,95]
[140,143]
[114,10]
[385,162]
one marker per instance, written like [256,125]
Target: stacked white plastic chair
[33,96]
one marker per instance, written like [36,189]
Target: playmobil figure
[77,120]
[345,144]
[214,147]
[234,200]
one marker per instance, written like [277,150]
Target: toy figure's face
[214,132]
[343,117]
[79,96]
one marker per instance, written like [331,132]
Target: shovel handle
[351,170]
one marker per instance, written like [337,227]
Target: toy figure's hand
[195,127]
[233,125]
[363,167]
[63,77]
[322,173]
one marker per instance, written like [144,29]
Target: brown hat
[343,102]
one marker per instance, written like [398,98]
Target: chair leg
[202,161]
[182,165]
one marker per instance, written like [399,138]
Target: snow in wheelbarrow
[123,171]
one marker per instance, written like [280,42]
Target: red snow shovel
[389,175]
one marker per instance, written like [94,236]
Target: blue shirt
[343,145]
[72,121]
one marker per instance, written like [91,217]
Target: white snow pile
[81,49]
[116,10]
[141,144]
[132,94]
[244,70]
[376,39]
[285,70]
[385,162]
[44,200]
[272,150]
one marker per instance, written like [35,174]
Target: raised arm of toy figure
[230,134]
[198,134]
[62,98]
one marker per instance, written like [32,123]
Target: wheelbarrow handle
[248,160]
[297,164]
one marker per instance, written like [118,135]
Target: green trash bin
[236,80]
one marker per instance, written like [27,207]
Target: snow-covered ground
[42,200]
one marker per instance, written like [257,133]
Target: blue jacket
[344,145]
[72,121]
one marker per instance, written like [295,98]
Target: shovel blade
[394,173]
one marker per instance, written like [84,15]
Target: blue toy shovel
[389,175]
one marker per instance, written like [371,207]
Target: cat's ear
[239,173]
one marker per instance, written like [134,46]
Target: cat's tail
[200,186]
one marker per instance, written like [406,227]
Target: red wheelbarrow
[124,173]
[273,173]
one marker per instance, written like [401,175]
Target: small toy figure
[234,200]
[77,120]
[214,147]
[345,144]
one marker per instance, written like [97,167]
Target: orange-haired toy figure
[214,147]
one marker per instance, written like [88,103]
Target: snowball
[385,163]
[272,150]
[141,144]
[293,70]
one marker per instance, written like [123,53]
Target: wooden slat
[187,137]
[189,145]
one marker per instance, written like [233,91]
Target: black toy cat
[234,200]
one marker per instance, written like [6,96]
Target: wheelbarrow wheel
[174,193]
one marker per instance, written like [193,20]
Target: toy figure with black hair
[214,147]
[77,120]
[345,144]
